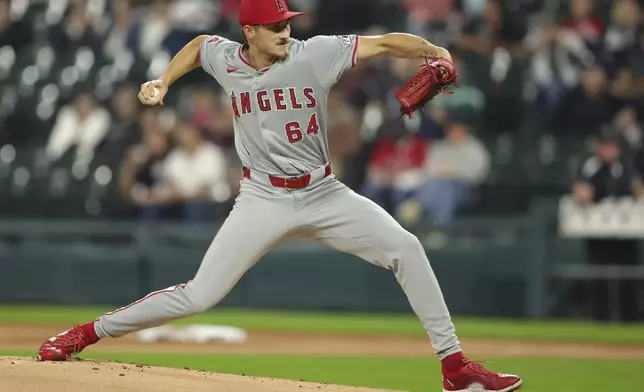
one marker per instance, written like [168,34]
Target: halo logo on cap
[281,7]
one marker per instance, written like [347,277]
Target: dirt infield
[28,375]
[22,337]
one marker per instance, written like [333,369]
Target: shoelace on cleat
[73,339]
[477,365]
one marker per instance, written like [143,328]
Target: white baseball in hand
[156,95]
[151,94]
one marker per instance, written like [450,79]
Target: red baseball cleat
[67,344]
[473,377]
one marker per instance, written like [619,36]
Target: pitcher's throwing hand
[153,92]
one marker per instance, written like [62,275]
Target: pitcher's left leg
[354,224]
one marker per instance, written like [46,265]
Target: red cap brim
[290,14]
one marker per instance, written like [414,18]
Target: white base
[475,389]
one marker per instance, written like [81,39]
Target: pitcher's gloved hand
[432,79]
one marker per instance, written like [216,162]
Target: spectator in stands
[454,168]
[118,35]
[585,110]
[395,170]
[622,86]
[622,34]
[584,22]
[601,176]
[83,125]
[14,33]
[604,174]
[78,29]
[636,66]
[195,17]
[151,120]
[202,108]
[343,132]
[153,32]
[125,129]
[213,116]
[562,51]
[627,125]
[638,166]
[559,56]
[500,27]
[493,46]
[126,110]
[142,170]
[305,27]
[422,15]
[194,174]
[620,46]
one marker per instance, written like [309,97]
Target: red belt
[289,182]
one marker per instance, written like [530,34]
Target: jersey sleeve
[331,56]
[212,52]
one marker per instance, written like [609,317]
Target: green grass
[410,374]
[359,323]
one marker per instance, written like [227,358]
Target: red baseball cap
[264,12]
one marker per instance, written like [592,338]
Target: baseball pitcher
[278,88]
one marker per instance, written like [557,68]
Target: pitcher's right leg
[353,224]
[255,224]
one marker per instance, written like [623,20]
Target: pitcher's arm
[183,62]
[188,58]
[401,45]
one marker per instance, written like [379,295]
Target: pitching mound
[19,374]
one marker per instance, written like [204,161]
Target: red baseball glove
[432,79]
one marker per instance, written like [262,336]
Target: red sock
[453,363]
[90,332]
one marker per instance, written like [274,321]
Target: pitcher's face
[272,39]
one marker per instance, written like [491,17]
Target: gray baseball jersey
[280,111]
[280,130]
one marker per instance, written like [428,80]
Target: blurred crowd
[552,72]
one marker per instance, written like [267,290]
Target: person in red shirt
[585,22]
[395,170]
